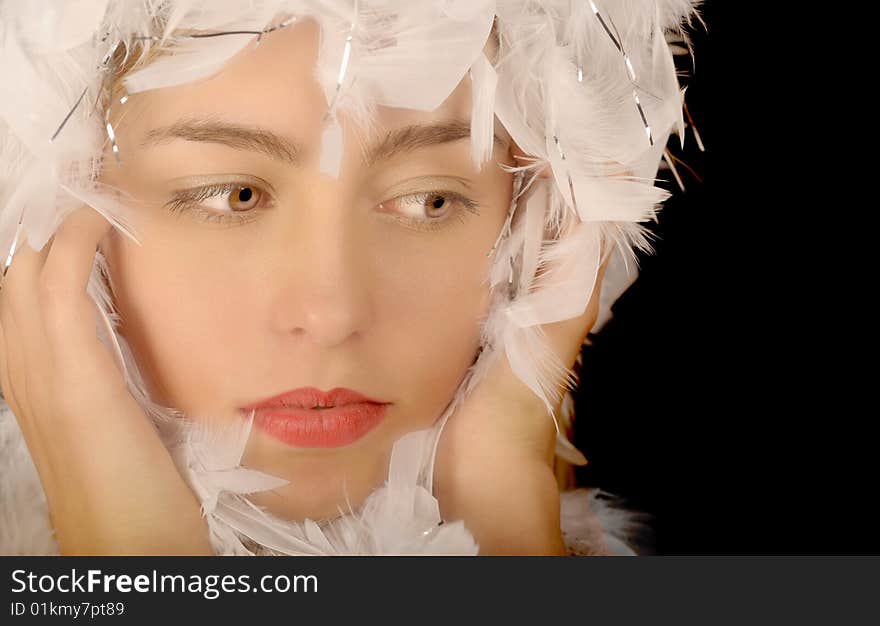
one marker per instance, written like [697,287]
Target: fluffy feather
[483,83]
[54,25]
[194,59]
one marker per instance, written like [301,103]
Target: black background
[722,399]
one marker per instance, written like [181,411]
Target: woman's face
[259,274]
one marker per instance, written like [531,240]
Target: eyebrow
[413,137]
[254,139]
[231,135]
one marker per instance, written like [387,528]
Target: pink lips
[309,418]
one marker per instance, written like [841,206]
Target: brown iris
[437,203]
[244,198]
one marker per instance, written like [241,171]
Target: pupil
[438,202]
[245,194]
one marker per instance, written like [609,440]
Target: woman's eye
[239,199]
[238,203]
[226,202]
[430,210]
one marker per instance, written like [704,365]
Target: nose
[322,294]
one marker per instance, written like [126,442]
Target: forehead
[273,85]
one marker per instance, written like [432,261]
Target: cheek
[430,318]
[179,305]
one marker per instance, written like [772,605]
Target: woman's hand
[111,486]
[494,466]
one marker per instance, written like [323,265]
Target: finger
[69,310]
[4,382]
[20,315]
[14,374]
[70,261]
[22,273]
[5,359]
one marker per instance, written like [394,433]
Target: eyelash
[187,201]
[433,225]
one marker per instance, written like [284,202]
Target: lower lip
[320,428]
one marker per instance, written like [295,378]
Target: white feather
[197,58]
[331,149]
[281,537]
[564,289]
[54,25]
[483,83]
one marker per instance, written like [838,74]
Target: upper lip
[311,397]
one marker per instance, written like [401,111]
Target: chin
[316,500]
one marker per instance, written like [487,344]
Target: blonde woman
[310,278]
